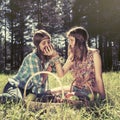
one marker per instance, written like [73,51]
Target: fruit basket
[56,98]
[52,96]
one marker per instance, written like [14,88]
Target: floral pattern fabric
[84,72]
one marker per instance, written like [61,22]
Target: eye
[43,43]
[48,42]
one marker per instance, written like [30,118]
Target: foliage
[102,111]
[19,20]
[96,16]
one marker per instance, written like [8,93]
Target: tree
[18,19]
[96,16]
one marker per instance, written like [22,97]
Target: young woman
[84,64]
[38,60]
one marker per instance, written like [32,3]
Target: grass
[101,111]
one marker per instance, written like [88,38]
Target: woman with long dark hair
[85,65]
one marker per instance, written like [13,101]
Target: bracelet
[52,61]
[57,60]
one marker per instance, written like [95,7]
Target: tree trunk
[11,62]
[119,51]
[101,51]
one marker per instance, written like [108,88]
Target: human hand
[50,51]
[71,57]
[70,60]
[70,53]
[69,95]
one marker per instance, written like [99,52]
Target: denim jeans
[82,93]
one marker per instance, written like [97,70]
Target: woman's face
[44,44]
[71,41]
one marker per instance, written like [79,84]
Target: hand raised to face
[49,51]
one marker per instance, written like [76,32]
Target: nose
[47,44]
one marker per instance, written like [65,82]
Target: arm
[98,74]
[34,67]
[68,64]
[61,71]
[69,61]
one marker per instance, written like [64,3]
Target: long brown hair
[81,36]
[37,38]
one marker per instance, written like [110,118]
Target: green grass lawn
[107,111]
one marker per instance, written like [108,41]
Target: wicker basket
[38,105]
[63,100]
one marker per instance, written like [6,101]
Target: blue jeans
[15,91]
[82,93]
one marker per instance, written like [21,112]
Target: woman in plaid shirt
[36,61]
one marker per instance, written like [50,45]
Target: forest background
[19,19]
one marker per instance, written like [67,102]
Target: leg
[12,90]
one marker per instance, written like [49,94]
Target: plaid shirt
[31,64]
